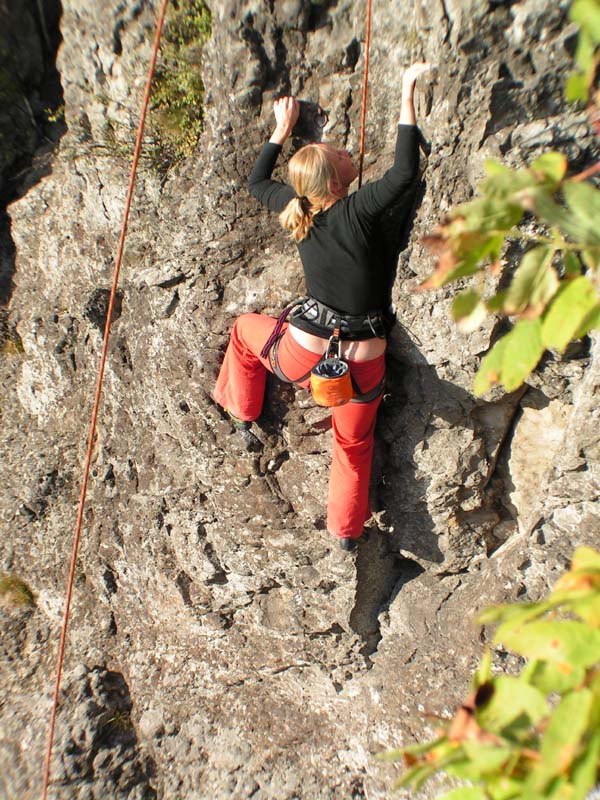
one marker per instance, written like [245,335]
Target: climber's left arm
[273,194]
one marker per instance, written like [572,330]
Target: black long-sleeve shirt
[338,255]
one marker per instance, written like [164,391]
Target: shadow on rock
[380,574]
[97,740]
[31,114]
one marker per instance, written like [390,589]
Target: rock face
[220,646]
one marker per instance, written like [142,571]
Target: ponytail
[297,217]
[310,170]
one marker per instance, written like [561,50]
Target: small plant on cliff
[535,735]
[554,294]
[176,117]
[15,592]
[10,341]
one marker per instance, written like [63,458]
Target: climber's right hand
[415,71]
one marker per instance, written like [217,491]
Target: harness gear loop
[334,346]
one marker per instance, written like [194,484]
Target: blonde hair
[310,170]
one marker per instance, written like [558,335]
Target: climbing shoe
[249,440]
[348,545]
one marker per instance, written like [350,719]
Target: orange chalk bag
[330,380]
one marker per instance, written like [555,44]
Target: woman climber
[347,288]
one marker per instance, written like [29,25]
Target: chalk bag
[330,381]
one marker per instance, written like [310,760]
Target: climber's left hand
[286,110]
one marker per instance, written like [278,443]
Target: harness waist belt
[312,314]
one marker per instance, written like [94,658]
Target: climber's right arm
[369,201]
[409,79]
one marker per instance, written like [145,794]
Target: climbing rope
[92,431]
[363,112]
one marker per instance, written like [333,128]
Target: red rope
[363,114]
[92,432]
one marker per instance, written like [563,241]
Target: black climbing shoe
[348,545]
[250,442]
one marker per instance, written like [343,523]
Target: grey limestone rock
[220,646]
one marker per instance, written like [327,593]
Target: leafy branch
[177,113]
[535,735]
[554,293]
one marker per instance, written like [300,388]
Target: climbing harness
[92,431]
[353,327]
[330,380]
[328,372]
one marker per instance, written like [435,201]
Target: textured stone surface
[220,646]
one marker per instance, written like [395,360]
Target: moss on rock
[15,592]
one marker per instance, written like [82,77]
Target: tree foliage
[554,293]
[176,118]
[537,734]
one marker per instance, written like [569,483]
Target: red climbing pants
[240,389]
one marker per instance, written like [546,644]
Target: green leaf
[512,698]
[585,769]
[464,269]
[484,758]
[590,322]
[512,358]
[562,737]
[420,773]
[490,369]
[483,674]
[535,282]
[583,201]
[568,313]
[504,788]
[416,775]
[515,613]
[551,166]
[584,55]
[580,229]
[585,559]
[468,311]
[522,352]
[548,678]
[487,214]
[572,264]
[587,14]
[576,88]
[546,208]
[465,793]
[588,609]
[412,750]
[591,258]
[495,169]
[566,643]
[496,302]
